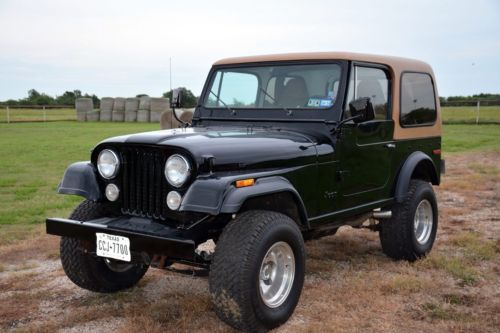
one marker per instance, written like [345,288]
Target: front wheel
[88,271]
[410,232]
[257,273]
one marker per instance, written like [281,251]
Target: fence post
[8,115]
[477,112]
[44,114]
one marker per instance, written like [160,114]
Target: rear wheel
[88,271]
[411,231]
[257,273]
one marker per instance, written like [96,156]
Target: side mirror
[362,110]
[176,101]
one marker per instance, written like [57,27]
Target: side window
[418,102]
[373,83]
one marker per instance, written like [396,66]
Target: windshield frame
[319,113]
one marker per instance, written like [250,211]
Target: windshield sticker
[314,102]
[326,102]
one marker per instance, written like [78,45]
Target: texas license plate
[112,246]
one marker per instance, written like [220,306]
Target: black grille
[144,187]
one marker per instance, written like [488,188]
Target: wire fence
[471,112]
[37,113]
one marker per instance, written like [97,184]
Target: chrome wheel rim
[117,266]
[276,275]
[423,221]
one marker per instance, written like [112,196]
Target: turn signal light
[245,182]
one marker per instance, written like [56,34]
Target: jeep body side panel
[80,179]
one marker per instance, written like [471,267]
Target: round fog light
[112,192]
[174,200]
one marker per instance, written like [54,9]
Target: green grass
[18,115]
[460,138]
[468,114]
[33,159]
[35,155]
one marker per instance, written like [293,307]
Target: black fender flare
[406,172]
[214,196]
[80,179]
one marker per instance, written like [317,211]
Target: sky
[122,48]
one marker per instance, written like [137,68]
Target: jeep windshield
[304,86]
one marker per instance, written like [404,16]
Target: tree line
[490,99]
[69,97]
[36,98]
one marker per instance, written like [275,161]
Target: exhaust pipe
[382,214]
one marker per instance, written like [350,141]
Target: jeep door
[365,150]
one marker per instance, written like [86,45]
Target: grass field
[455,289]
[451,115]
[35,155]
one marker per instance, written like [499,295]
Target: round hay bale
[93,115]
[118,116]
[84,104]
[107,104]
[131,104]
[145,103]
[119,104]
[154,116]
[106,115]
[159,105]
[166,120]
[130,116]
[187,115]
[81,116]
[143,116]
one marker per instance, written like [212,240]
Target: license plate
[112,246]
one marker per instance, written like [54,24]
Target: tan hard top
[397,63]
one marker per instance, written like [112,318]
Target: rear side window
[418,102]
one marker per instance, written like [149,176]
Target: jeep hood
[233,148]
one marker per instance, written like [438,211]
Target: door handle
[390,145]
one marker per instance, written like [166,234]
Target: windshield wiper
[274,100]
[222,102]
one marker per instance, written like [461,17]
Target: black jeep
[281,149]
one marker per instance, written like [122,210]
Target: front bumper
[145,235]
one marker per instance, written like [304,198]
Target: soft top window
[305,86]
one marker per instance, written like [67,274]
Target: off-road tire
[397,234]
[234,272]
[88,271]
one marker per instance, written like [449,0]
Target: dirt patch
[350,285]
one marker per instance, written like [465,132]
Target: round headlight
[177,170]
[112,192]
[108,163]
[174,200]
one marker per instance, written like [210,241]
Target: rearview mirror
[362,110]
[176,101]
